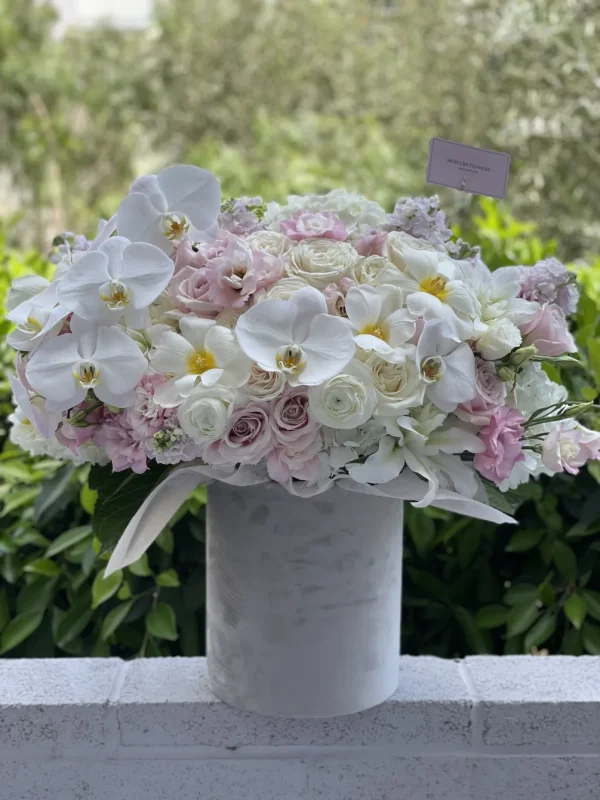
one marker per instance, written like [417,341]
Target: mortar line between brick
[113,725]
[477,708]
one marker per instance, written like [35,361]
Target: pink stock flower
[491,392]
[122,443]
[314,225]
[371,244]
[568,449]
[147,417]
[239,272]
[549,332]
[502,439]
[335,296]
[247,439]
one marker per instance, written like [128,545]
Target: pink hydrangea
[314,225]
[301,463]
[491,393]
[122,443]
[568,449]
[371,244]
[549,332]
[503,448]
[239,272]
[147,417]
[247,439]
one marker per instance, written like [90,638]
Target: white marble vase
[303,599]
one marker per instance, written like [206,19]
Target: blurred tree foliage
[280,96]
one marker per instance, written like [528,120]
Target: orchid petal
[140,221]
[383,466]
[121,361]
[367,342]
[263,330]
[146,271]
[50,370]
[192,191]
[79,290]
[148,185]
[306,303]
[363,306]
[328,348]
[402,327]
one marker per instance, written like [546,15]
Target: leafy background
[81,114]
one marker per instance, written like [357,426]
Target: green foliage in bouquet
[469,587]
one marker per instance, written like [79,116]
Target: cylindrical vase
[303,599]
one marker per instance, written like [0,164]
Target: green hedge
[469,587]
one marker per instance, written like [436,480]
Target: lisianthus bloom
[491,393]
[371,244]
[161,209]
[503,447]
[314,225]
[549,332]
[568,447]
[379,322]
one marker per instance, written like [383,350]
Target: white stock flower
[276,244]
[118,279]
[37,318]
[160,209]
[296,337]
[398,386]
[447,366]
[321,261]
[379,322]
[103,359]
[346,400]
[203,352]
[356,212]
[500,338]
[204,413]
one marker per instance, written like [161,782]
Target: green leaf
[547,594]
[54,495]
[565,560]
[590,636]
[168,578]
[36,596]
[540,632]
[508,502]
[520,593]
[15,500]
[113,619]
[493,616]
[141,568]
[575,610]
[33,537]
[477,640]
[592,600]
[72,623]
[7,545]
[119,497]
[522,541]
[43,566]
[104,588]
[520,618]
[88,498]
[10,567]
[124,592]
[166,541]
[19,629]
[4,609]
[161,623]
[68,539]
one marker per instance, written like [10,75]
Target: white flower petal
[195,330]
[146,272]
[363,306]
[79,289]
[50,370]
[263,329]
[192,191]
[211,377]
[383,466]
[402,327]
[307,303]
[328,349]
[121,361]
[186,384]
[148,185]
[171,354]
[140,221]
[369,343]
[166,395]
[124,400]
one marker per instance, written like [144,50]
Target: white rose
[321,261]
[356,212]
[263,385]
[501,337]
[282,290]
[399,247]
[397,386]
[368,270]
[272,242]
[205,413]
[346,400]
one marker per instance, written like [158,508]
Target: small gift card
[470,169]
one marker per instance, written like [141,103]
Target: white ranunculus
[263,385]
[204,413]
[321,261]
[447,366]
[501,337]
[276,244]
[379,322]
[181,201]
[296,337]
[398,386]
[356,212]
[346,400]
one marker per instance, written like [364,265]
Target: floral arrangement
[319,341]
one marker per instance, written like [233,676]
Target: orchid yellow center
[200,362]
[432,369]
[291,359]
[115,294]
[436,287]
[175,226]
[376,330]
[33,324]
[87,374]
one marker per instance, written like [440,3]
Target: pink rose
[314,225]
[123,445]
[502,439]
[239,272]
[297,440]
[290,419]
[568,449]
[371,244]
[302,463]
[491,392]
[335,296]
[247,439]
[189,292]
[549,332]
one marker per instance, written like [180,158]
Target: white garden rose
[204,414]
[263,385]
[368,270]
[398,246]
[321,261]
[346,400]
[282,290]
[501,337]
[356,212]
[397,386]
[272,242]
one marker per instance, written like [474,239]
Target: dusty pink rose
[371,244]
[146,417]
[239,272]
[290,419]
[502,439]
[491,392]
[568,449]
[306,463]
[297,440]
[549,332]
[189,292]
[247,440]
[122,444]
[314,225]
[335,296]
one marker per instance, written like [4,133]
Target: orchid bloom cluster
[316,340]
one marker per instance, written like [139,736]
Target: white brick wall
[512,728]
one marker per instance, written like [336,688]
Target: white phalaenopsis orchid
[203,352]
[447,366]
[36,318]
[33,409]
[119,279]
[296,337]
[160,209]
[379,322]
[104,360]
